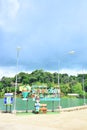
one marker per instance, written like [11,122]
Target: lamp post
[72,52]
[18,49]
[58,86]
[83,90]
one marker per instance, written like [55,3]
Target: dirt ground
[75,120]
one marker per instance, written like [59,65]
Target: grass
[30,113]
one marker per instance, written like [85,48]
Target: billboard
[8,98]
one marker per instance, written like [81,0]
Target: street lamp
[83,90]
[59,86]
[71,53]
[18,49]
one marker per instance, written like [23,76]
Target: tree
[6,81]
[65,88]
[32,79]
[64,78]
[77,88]
[1,86]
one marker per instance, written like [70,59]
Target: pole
[18,49]
[83,89]
[27,105]
[58,86]
[52,106]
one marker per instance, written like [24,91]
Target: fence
[64,102]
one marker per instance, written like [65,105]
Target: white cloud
[11,71]
[13,7]
[7,71]
[8,12]
[73,71]
[70,71]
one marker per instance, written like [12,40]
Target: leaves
[68,84]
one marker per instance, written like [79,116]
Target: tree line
[68,84]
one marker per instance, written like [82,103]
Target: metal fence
[64,103]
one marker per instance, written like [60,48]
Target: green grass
[55,112]
[30,113]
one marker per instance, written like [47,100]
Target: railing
[64,102]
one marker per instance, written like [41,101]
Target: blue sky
[46,31]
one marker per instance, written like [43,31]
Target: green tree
[65,88]
[77,88]
[1,86]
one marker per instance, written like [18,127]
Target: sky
[47,31]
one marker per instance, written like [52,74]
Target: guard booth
[8,101]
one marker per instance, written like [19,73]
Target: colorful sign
[25,95]
[8,99]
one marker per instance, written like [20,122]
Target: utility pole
[16,84]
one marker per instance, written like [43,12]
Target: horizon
[63,71]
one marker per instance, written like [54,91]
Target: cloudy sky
[46,31]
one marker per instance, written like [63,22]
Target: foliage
[77,88]
[68,84]
[65,88]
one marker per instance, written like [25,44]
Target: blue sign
[8,99]
[50,99]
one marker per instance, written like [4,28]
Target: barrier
[8,101]
[52,99]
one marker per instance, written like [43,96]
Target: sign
[25,95]
[8,98]
[25,88]
[8,94]
[50,99]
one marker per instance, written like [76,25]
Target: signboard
[8,98]
[50,99]
[25,88]
[25,95]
